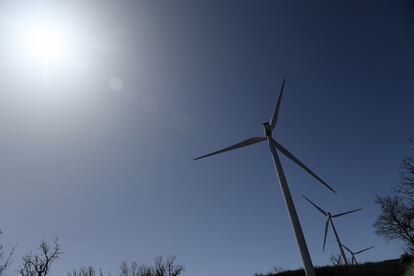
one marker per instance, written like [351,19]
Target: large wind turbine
[353,259]
[274,148]
[329,220]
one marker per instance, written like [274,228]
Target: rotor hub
[267,129]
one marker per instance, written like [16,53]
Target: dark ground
[395,267]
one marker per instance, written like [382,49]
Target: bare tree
[39,264]
[128,270]
[396,220]
[173,269]
[144,270]
[161,267]
[5,258]
[86,271]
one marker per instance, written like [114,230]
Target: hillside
[384,268]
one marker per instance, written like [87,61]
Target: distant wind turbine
[354,261]
[329,220]
[274,147]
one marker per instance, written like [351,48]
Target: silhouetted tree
[168,267]
[396,220]
[161,267]
[39,264]
[86,271]
[273,271]
[406,259]
[135,270]
[384,268]
[5,258]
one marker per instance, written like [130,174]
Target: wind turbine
[354,261]
[274,148]
[329,220]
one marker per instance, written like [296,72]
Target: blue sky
[111,173]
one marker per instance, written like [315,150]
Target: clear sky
[97,147]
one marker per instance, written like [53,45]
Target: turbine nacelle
[267,129]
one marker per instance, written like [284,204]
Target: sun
[46,51]
[46,42]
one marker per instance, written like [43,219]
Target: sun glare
[45,51]
[46,42]
[47,45]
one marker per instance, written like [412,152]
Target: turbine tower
[274,148]
[329,220]
[353,259]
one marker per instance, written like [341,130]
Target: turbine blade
[276,111]
[349,250]
[300,164]
[363,250]
[316,206]
[345,213]
[326,233]
[244,143]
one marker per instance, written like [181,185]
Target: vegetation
[5,257]
[162,267]
[40,264]
[386,268]
[396,220]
